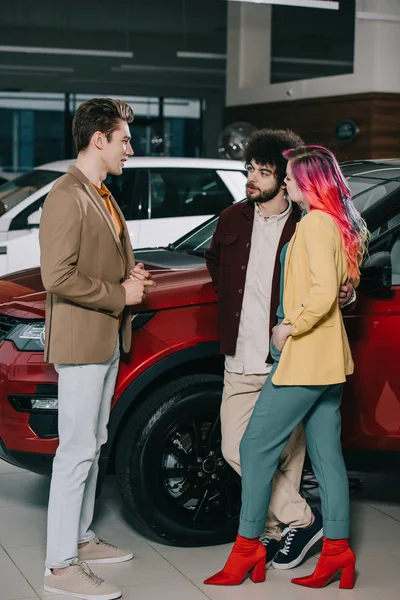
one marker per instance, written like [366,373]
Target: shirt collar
[103,191]
[273,218]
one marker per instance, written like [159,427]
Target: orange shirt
[105,195]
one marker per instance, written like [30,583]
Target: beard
[263,197]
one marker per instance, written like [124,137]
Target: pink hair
[318,175]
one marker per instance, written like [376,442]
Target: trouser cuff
[251,529]
[87,538]
[336,530]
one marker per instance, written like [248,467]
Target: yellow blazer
[318,351]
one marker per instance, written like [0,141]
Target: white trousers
[84,400]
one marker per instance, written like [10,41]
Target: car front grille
[7,323]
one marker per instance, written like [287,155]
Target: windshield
[17,190]
[367,193]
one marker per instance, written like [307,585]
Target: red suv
[164,433]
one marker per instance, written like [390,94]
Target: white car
[6,176]
[161,198]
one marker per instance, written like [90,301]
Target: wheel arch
[205,357]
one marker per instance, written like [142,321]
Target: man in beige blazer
[88,270]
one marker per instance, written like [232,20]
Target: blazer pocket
[228,247]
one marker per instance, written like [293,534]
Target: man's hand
[139,272]
[280,334]
[345,293]
[136,290]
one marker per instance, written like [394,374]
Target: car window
[29,218]
[18,189]
[187,192]
[199,239]
[395,259]
[368,193]
[387,237]
[130,191]
[390,223]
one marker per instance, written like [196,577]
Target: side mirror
[376,272]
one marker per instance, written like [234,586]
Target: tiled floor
[166,573]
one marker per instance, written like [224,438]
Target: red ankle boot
[248,555]
[336,556]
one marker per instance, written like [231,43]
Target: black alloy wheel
[171,473]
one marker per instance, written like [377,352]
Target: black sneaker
[272,547]
[297,542]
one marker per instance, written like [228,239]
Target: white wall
[376,60]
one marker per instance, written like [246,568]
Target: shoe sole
[112,596]
[300,558]
[99,561]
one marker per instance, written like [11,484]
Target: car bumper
[37,463]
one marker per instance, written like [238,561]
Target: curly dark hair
[266,146]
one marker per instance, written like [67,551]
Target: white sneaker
[80,582]
[98,551]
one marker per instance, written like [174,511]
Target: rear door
[371,406]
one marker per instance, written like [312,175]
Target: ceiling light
[373,16]
[166,69]
[66,51]
[327,4]
[36,68]
[205,55]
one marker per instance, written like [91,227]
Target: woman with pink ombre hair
[312,360]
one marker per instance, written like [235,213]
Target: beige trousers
[287,507]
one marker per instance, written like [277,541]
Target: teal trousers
[277,412]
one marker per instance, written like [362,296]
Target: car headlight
[28,337]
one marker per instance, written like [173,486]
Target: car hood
[181,279]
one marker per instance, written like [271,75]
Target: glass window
[368,193]
[307,43]
[130,191]
[199,239]
[29,218]
[395,259]
[17,190]
[187,192]
[387,225]
[32,129]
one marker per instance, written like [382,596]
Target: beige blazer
[318,351]
[83,264]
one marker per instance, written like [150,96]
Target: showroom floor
[165,573]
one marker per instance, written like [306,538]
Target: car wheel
[170,469]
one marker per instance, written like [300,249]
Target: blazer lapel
[126,240]
[99,204]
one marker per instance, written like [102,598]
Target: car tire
[170,471]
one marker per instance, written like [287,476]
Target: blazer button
[240,291]
[238,314]
[121,280]
[243,267]
[247,245]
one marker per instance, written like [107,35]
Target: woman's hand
[280,334]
